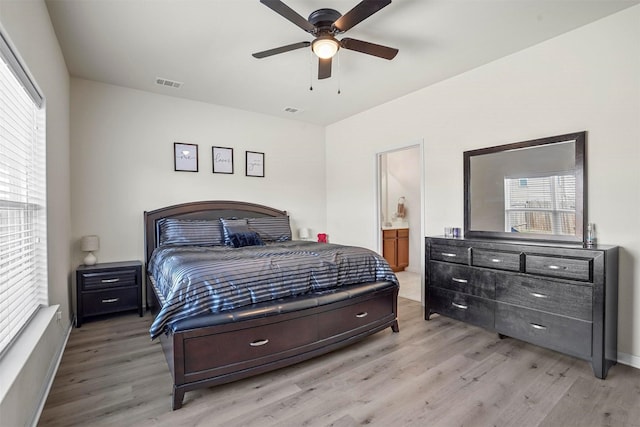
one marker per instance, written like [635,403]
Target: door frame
[378,202]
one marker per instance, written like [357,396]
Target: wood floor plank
[438,373]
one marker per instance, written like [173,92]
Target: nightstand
[108,288]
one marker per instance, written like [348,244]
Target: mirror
[527,190]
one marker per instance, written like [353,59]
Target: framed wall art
[185,157]
[222,160]
[254,164]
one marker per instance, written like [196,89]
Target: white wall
[122,163]
[587,79]
[28,26]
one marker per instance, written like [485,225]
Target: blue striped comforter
[192,280]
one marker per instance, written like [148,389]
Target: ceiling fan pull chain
[310,69]
[339,73]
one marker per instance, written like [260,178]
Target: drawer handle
[554,267]
[449,254]
[460,306]
[539,327]
[117,279]
[107,301]
[455,279]
[537,295]
[361,315]
[258,343]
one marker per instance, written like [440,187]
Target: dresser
[395,247]
[562,297]
[108,288]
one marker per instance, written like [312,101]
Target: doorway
[401,215]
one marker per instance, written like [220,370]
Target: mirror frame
[581,190]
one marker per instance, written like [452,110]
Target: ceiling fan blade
[359,13]
[369,48]
[324,68]
[289,14]
[281,49]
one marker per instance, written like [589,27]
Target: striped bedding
[192,280]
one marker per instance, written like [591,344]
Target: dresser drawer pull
[361,315]
[449,254]
[554,267]
[537,295]
[496,260]
[117,279]
[460,306]
[539,327]
[455,279]
[258,343]
[108,301]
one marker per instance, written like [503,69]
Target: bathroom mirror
[532,190]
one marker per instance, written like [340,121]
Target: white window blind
[542,205]
[23,257]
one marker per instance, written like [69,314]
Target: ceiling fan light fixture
[325,46]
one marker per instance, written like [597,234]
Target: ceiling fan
[324,25]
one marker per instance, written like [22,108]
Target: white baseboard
[51,376]
[629,359]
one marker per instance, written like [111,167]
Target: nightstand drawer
[110,300]
[109,279]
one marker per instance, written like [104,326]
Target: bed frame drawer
[354,316]
[249,344]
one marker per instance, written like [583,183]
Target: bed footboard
[211,355]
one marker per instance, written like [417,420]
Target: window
[23,257]
[543,204]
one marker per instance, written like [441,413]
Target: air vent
[292,110]
[168,83]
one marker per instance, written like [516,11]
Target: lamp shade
[304,233]
[89,243]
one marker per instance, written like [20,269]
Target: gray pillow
[190,232]
[271,229]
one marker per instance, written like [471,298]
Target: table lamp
[89,244]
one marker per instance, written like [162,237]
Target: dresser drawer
[559,333]
[450,253]
[354,316]
[546,295]
[250,344]
[106,279]
[563,267]
[499,260]
[467,308]
[461,278]
[110,300]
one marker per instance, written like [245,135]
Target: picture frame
[222,159]
[185,157]
[254,164]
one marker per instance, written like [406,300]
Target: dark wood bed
[212,349]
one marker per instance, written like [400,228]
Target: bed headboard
[200,210]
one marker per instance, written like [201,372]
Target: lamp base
[90,259]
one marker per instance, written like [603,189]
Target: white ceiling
[207,44]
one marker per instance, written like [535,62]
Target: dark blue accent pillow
[245,238]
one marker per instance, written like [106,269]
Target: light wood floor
[436,373]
